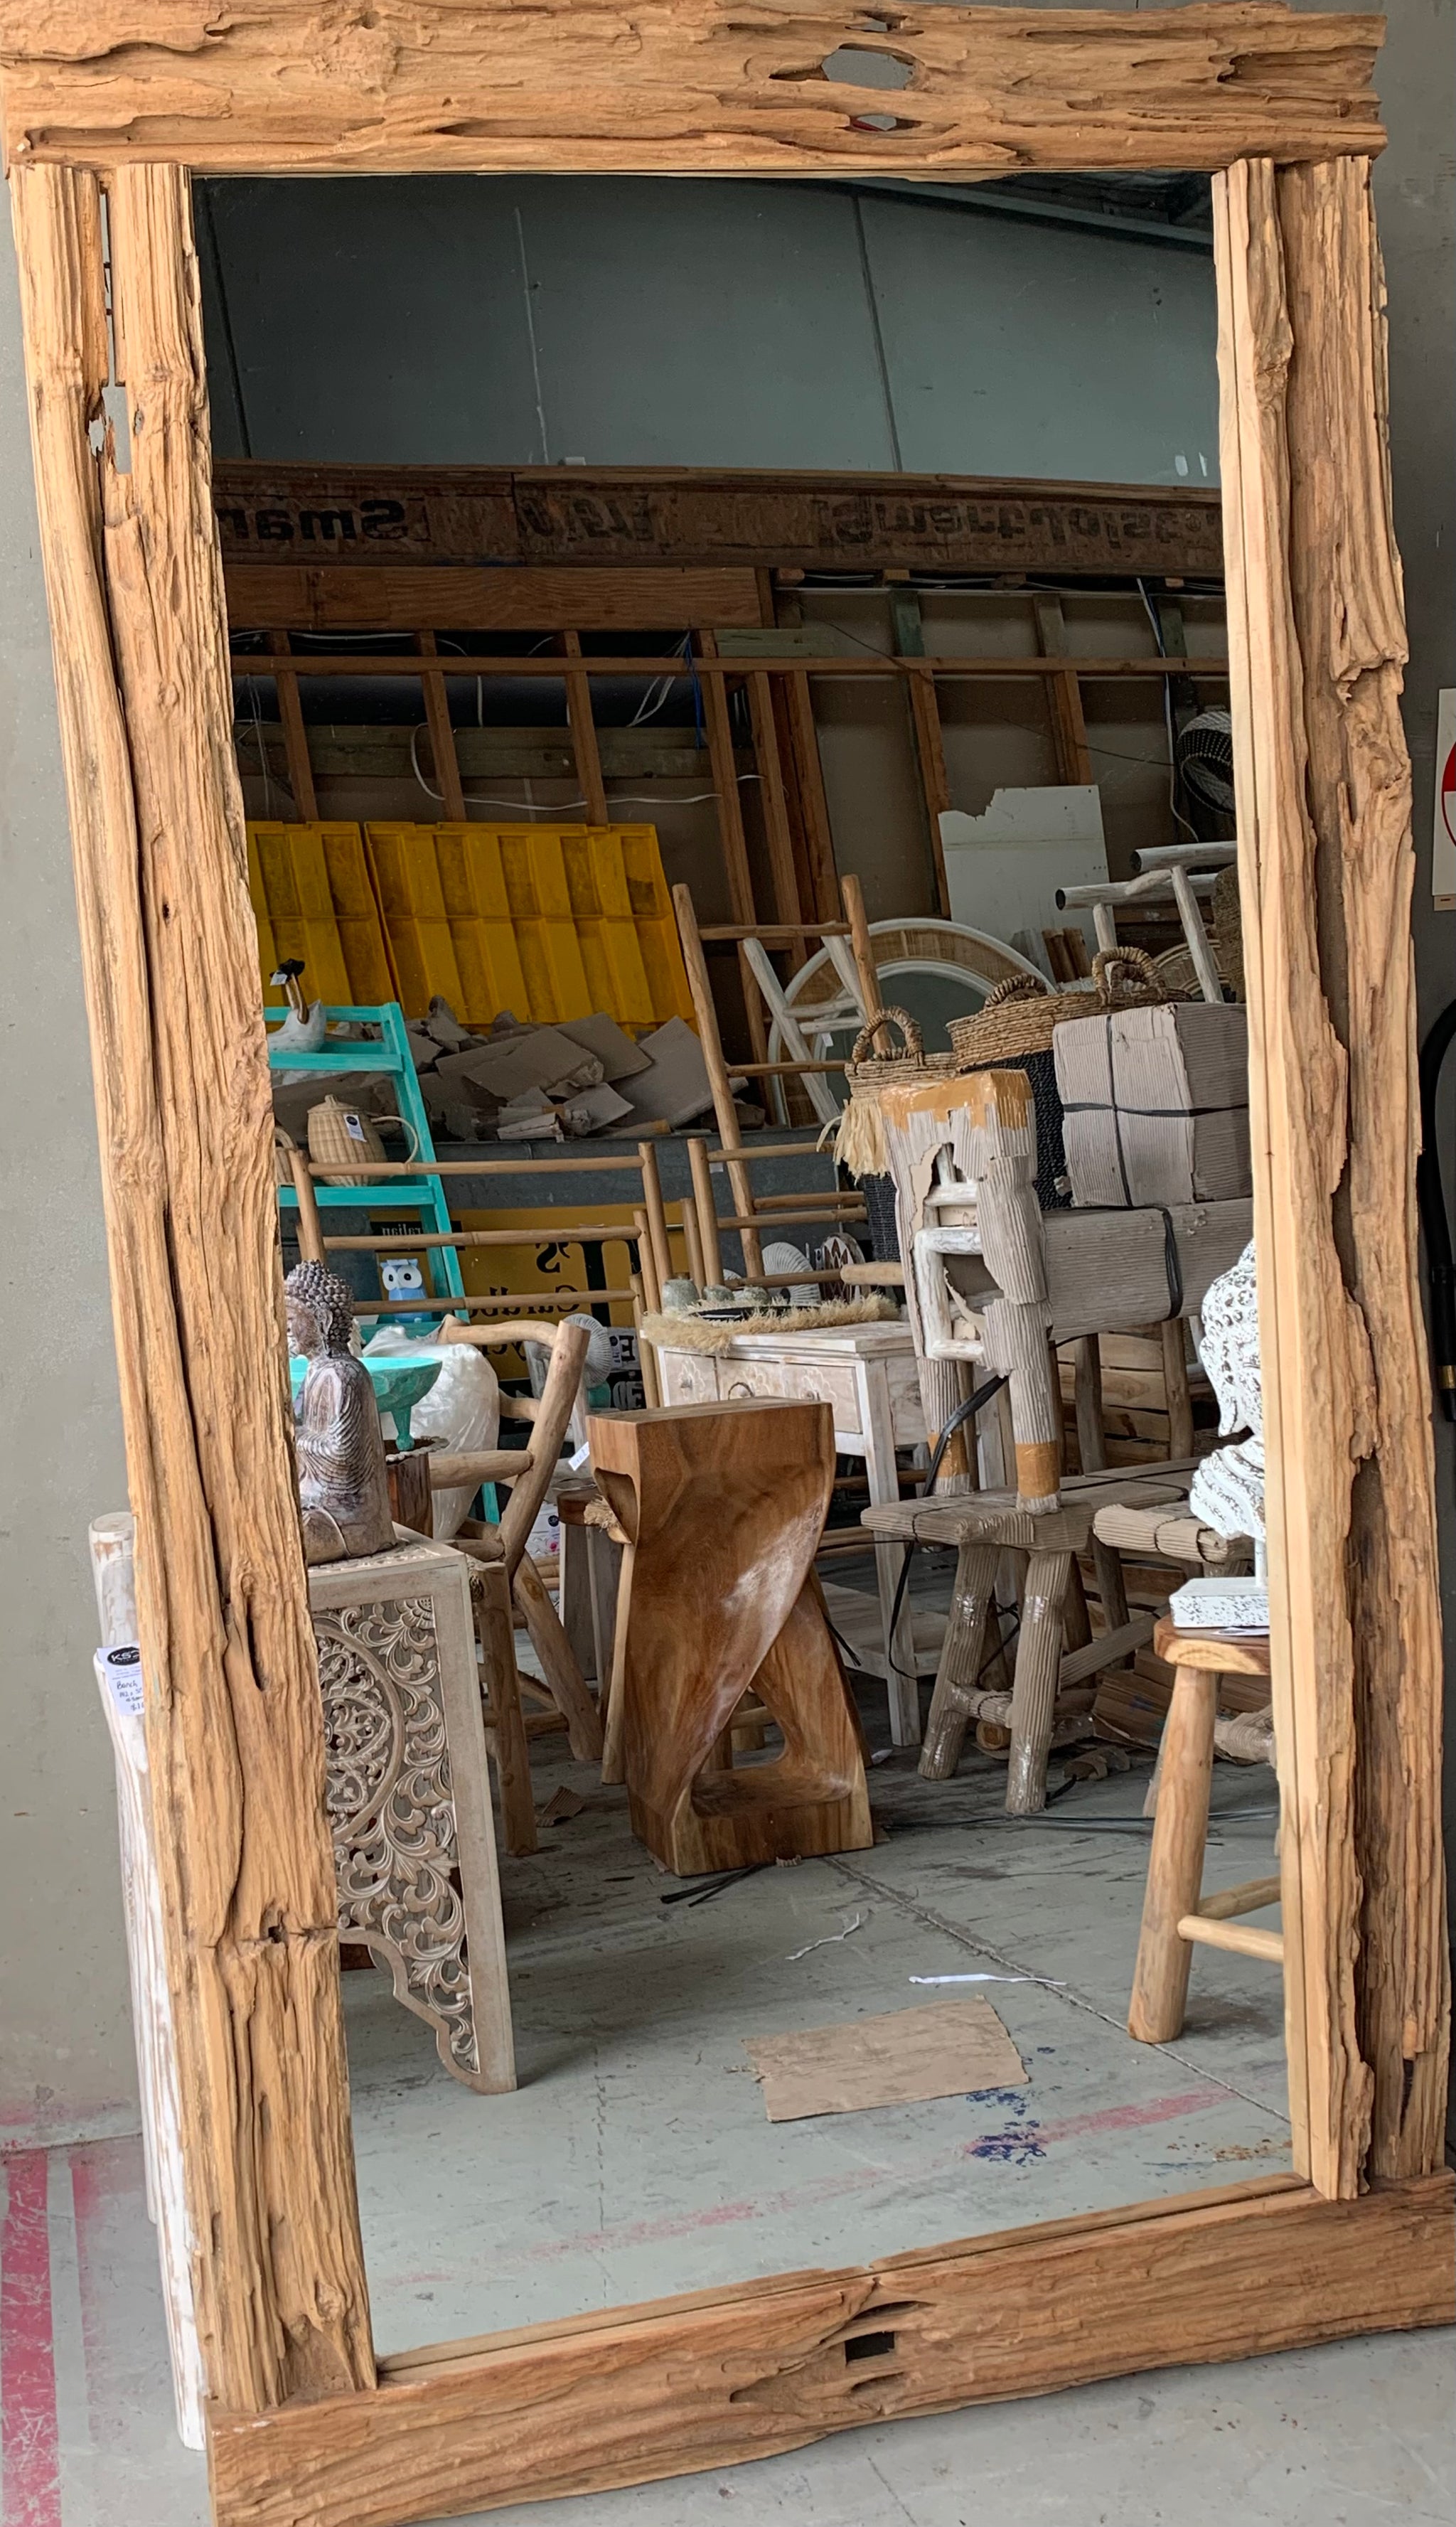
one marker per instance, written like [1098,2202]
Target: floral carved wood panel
[392,1809]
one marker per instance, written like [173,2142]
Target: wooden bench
[1048,1689]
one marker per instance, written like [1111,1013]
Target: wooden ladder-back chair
[849,948]
[649,1232]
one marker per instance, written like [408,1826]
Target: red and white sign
[1443,854]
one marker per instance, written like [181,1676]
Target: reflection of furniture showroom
[868,1374]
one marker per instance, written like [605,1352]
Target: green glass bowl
[399,1386]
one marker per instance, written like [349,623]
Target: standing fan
[1203,760]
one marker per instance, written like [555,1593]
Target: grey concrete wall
[624,321]
[65,2058]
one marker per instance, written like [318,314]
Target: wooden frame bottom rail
[680,2385]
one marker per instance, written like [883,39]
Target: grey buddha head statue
[321,1313]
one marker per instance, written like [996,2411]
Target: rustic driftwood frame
[108,110]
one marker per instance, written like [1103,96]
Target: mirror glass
[589,538]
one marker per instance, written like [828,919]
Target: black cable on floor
[963,1413]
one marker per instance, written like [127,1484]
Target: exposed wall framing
[778,678]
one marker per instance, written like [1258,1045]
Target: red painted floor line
[29,2441]
[1022,2139]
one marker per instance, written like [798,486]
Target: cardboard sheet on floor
[903,2058]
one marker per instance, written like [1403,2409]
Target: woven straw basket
[336,1131]
[1020,1014]
[870,1069]
[860,1140]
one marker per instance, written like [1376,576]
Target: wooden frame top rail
[678,87]
[405,664]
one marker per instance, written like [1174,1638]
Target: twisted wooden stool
[722,1506]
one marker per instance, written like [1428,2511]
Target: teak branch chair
[504,1574]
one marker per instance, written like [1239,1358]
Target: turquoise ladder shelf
[423,1196]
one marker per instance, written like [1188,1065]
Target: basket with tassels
[860,1135]
[860,1143]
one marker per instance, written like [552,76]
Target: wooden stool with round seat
[1176,1915]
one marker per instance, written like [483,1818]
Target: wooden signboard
[363,517]
[304,2426]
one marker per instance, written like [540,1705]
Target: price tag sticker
[120,1670]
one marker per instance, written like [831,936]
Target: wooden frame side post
[1315,645]
[1349,611]
[168,949]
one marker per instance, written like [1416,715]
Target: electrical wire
[561,806]
[1172,753]
[657,693]
[257,717]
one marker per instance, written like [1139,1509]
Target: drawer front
[832,1382]
[738,1379]
[688,1376]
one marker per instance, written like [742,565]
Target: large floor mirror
[744,918]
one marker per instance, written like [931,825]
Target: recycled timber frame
[109,112]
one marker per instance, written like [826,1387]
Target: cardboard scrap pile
[550,1083]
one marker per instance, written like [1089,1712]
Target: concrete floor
[1353,2434]
[634,2159]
